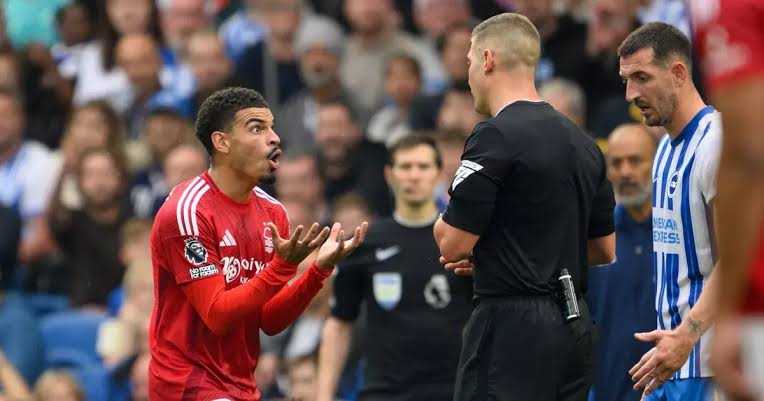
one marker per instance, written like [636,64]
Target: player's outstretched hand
[672,348]
[463,267]
[337,248]
[293,250]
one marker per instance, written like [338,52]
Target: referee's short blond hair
[513,38]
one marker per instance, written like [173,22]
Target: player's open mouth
[273,159]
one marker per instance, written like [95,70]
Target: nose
[631,91]
[274,139]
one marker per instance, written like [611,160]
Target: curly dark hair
[218,110]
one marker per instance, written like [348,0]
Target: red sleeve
[730,39]
[291,301]
[219,308]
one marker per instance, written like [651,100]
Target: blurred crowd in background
[97,104]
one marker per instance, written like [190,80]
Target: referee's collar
[519,101]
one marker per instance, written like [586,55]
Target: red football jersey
[201,234]
[729,37]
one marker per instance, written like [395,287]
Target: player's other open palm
[337,248]
[293,249]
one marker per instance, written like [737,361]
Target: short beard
[269,180]
[638,199]
[315,80]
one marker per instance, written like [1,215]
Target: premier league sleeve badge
[195,251]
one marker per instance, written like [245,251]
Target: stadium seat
[70,338]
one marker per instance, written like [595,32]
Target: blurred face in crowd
[402,81]
[538,11]
[9,72]
[57,387]
[129,16]
[163,132]
[299,212]
[337,133]
[610,23]
[457,113]
[413,175]
[100,180]
[456,45]
[87,129]
[181,19]
[139,378]
[281,16]
[435,16]
[368,17]
[298,180]
[318,66]
[302,380]
[630,161]
[11,123]
[183,163]
[251,146]
[451,152]
[208,61]
[651,87]
[75,25]
[139,57]
[351,215]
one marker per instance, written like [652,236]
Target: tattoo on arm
[695,327]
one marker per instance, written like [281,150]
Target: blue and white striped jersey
[684,175]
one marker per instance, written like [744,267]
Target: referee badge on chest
[387,289]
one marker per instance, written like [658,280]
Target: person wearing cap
[318,46]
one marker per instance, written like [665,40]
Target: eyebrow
[251,120]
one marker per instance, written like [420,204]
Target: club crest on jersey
[673,184]
[195,252]
[387,289]
[268,239]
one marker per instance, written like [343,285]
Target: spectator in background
[97,78]
[139,378]
[31,21]
[318,46]
[12,384]
[567,97]
[403,81]
[165,129]
[456,112]
[621,295]
[184,162]
[298,179]
[181,19]
[563,40]
[452,47]
[28,177]
[451,146]
[89,238]
[672,12]
[352,208]
[347,161]
[270,66]
[302,373]
[374,39]
[435,17]
[10,235]
[134,241]
[611,22]
[75,28]
[242,30]
[58,385]
[127,334]
[139,56]
[210,65]
[90,126]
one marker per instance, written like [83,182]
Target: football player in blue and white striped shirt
[655,63]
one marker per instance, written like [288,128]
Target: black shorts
[520,349]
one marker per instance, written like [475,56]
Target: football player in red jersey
[222,256]
[729,35]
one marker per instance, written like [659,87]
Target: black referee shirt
[415,312]
[534,187]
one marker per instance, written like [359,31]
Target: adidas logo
[227,239]
[464,171]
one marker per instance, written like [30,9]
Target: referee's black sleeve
[348,286]
[601,219]
[485,161]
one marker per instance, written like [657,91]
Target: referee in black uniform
[415,312]
[530,209]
